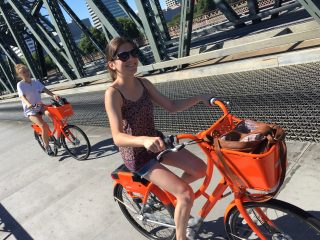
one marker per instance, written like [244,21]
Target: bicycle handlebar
[174,148]
[222,104]
[170,140]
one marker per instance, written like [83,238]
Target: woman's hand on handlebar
[154,144]
[205,98]
[56,97]
[32,106]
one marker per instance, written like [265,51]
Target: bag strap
[230,174]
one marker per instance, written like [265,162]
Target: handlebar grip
[221,104]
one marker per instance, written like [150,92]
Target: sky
[79,7]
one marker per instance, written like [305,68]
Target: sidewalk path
[60,198]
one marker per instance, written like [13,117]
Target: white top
[32,91]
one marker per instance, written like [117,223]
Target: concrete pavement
[47,198]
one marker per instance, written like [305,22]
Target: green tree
[204,6]
[87,46]
[175,20]
[129,27]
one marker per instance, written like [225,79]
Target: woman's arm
[174,105]
[26,101]
[113,101]
[47,91]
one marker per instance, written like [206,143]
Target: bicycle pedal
[190,233]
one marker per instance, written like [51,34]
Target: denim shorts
[146,168]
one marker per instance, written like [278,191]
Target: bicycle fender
[231,205]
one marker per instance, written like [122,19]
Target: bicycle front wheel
[157,212]
[76,142]
[288,222]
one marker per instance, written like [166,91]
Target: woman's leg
[37,119]
[168,181]
[194,168]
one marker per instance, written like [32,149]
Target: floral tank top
[137,120]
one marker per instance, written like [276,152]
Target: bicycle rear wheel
[52,143]
[289,222]
[76,142]
[156,210]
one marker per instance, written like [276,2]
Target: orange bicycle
[253,179]
[71,137]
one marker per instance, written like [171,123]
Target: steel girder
[186,20]
[5,73]
[106,18]
[31,23]
[229,13]
[18,34]
[83,28]
[9,52]
[160,20]
[134,17]
[277,4]
[61,27]
[155,37]
[313,8]
[254,9]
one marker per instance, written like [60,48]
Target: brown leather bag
[250,136]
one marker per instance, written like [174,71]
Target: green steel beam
[17,34]
[134,17]
[63,31]
[220,53]
[36,8]
[13,57]
[160,20]
[254,9]
[83,28]
[312,7]
[106,18]
[229,13]
[277,4]
[30,22]
[41,59]
[152,31]
[49,36]
[186,20]
[2,76]
[110,26]
[6,74]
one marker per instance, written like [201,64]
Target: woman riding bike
[29,90]
[129,105]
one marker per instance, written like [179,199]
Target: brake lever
[175,149]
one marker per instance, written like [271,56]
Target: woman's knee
[185,195]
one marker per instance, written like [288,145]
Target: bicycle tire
[149,230]
[297,223]
[80,147]
[52,143]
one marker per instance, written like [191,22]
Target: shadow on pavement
[215,229]
[212,230]
[8,225]
[98,150]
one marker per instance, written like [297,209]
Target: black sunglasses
[124,56]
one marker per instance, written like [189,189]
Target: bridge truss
[24,20]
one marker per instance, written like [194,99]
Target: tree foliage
[203,6]
[175,20]
[129,27]
[86,45]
